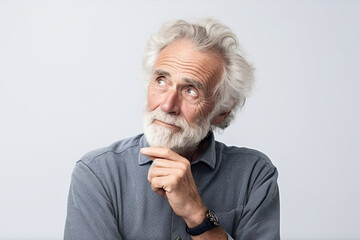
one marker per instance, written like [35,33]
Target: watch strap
[206,225]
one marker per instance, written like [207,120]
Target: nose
[171,102]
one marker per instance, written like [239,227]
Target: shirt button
[178,238]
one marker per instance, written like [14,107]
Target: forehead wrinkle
[188,62]
[203,71]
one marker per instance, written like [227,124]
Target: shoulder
[244,157]
[103,168]
[248,167]
[114,149]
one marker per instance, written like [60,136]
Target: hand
[170,176]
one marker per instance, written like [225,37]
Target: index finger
[160,152]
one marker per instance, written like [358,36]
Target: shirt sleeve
[90,214]
[261,215]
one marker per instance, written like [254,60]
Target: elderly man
[175,181]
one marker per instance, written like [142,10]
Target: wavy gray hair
[208,34]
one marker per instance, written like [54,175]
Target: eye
[160,81]
[191,91]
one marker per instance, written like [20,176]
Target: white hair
[209,35]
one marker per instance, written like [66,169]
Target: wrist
[210,222]
[196,217]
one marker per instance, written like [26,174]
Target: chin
[161,136]
[180,141]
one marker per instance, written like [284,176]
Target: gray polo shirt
[111,198]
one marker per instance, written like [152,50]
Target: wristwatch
[211,221]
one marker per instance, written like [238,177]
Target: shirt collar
[208,156]
[142,159]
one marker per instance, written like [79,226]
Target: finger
[165,163]
[152,158]
[166,183]
[157,187]
[161,192]
[163,172]
[160,152]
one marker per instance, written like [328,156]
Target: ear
[220,118]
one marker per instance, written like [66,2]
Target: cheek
[206,107]
[152,100]
[193,113]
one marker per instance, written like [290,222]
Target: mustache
[160,115]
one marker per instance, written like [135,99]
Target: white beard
[181,141]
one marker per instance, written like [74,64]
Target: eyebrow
[187,80]
[161,72]
[194,83]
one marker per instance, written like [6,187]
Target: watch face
[212,217]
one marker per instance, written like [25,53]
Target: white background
[70,82]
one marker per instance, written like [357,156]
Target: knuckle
[154,182]
[185,166]
[187,163]
[150,176]
[169,189]
[159,162]
[180,171]
[167,151]
[153,188]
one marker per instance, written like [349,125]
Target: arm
[261,214]
[90,214]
